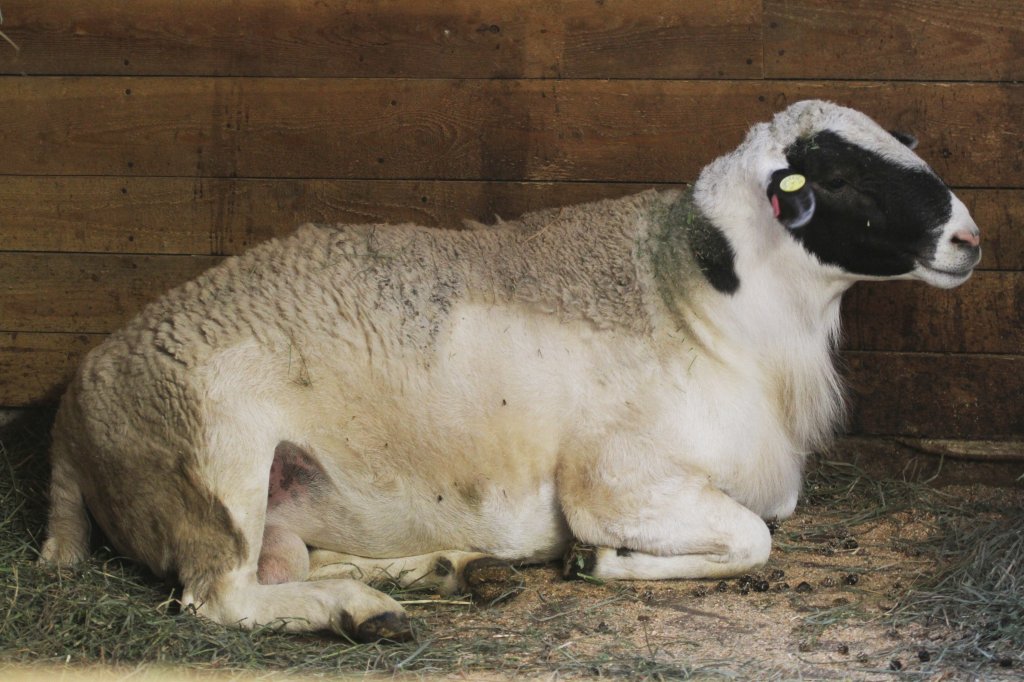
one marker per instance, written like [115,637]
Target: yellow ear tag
[792,183]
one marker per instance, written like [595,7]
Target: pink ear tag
[775,206]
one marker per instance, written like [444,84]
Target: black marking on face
[873,216]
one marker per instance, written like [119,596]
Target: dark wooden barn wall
[140,142]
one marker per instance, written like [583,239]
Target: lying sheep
[642,376]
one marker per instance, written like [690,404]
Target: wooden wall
[140,142]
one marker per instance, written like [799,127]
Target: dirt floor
[830,604]
[820,609]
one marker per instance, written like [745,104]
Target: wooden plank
[403,38]
[223,216]
[36,367]
[85,293]
[936,395]
[985,315]
[1000,215]
[989,450]
[637,131]
[59,292]
[938,462]
[894,394]
[973,40]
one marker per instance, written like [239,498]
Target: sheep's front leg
[487,579]
[651,520]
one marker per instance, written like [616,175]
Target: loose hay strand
[110,612]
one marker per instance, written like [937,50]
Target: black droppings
[623,551]
[804,587]
[722,586]
[924,656]
[851,579]
[895,664]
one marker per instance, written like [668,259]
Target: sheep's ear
[792,198]
[906,138]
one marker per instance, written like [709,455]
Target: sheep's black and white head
[857,198]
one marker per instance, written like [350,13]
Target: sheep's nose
[970,237]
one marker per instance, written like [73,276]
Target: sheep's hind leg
[485,578]
[262,550]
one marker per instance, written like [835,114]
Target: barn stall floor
[834,602]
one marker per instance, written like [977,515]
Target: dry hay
[873,577]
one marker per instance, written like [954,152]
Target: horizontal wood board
[866,39]
[152,138]
[224,216]
[638,131]
[961,40]
[97,293]
[397,38]
[893,394]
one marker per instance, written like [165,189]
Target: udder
[296,483]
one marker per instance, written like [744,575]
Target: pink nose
[965,236]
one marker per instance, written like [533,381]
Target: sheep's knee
[728,556]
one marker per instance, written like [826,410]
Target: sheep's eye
[834,184]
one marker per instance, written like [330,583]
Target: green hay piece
[109,611]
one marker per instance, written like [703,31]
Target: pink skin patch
[293,474]
[776,209]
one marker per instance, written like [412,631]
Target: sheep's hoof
[491,581]
[387,626]
[579,561]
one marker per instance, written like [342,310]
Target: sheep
[632,384]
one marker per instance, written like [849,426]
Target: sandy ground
[818,610]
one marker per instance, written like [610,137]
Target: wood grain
[85,293]
[966,40]
[894,394]
[937,395]
[37,367]
[95,293]
[985,315]
[398,38]
[215,216]
[636,131]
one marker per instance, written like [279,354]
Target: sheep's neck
[781,318]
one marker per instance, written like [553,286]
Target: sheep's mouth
[945,279]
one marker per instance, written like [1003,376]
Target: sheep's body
[643,374]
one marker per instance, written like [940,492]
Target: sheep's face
[872,213]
